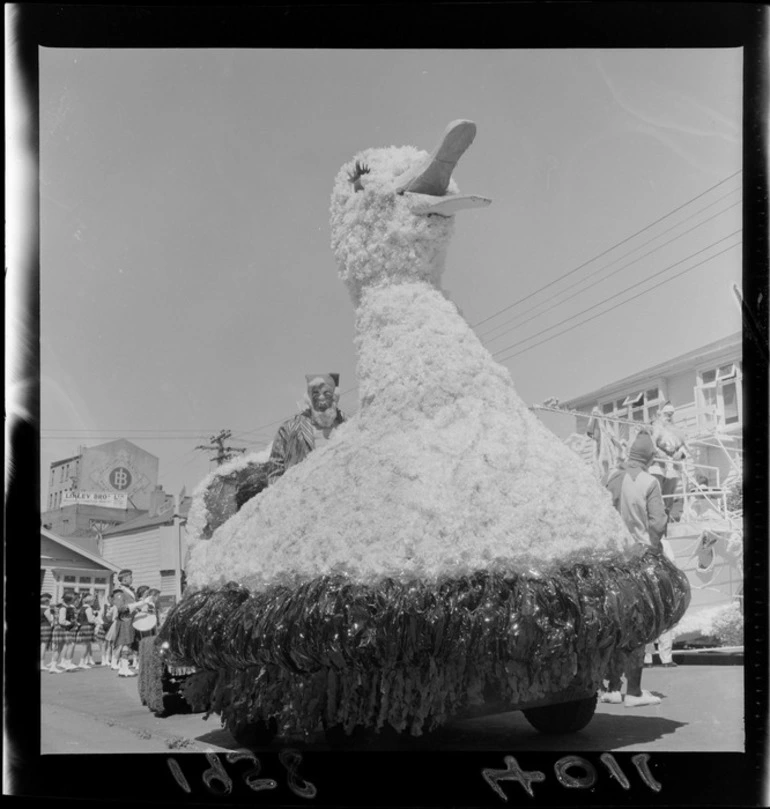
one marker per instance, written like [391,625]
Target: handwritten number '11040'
[513,772]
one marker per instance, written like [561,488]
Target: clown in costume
[299,436]
[442,545]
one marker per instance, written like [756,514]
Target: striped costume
[294,441]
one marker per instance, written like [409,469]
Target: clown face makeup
[321,396]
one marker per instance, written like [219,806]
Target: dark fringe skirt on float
[416,654]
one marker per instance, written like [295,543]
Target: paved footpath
[96,711]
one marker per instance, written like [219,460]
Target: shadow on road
[606,732]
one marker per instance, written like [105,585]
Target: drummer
[127,606]
[146,617]
[145,620]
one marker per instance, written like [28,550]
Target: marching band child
[103,623]
[141,593]
[85,633]
[124,635]
[112,630]
[63,638]
[46,626]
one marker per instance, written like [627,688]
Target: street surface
[95,711]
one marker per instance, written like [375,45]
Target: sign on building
[104,499]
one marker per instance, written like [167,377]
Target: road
[95,711]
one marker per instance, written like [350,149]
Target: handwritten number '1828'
[218,781]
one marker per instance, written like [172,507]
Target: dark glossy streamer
[332,651]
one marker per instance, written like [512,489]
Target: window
[718,396]
[639,405]
[77,584]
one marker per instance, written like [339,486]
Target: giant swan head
[392,211]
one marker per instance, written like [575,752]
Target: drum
[145,621]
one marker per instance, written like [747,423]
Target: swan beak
[427,184]
[424,204]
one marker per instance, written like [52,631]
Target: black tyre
[254,734]
[566,717]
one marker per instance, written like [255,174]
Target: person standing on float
[671,451]
[299,436]
[637,497]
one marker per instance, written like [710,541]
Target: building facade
[153,547]
[705,388]
[66,567]
[100,488]
[118,468]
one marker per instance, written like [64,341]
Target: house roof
[84,539]
[92,557]
[145,521]
[672,366]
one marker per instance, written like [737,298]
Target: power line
[604,253]
[223,453]
[618,294]
[281,420]
[633,297]
[88,436]
[609,275]
[115,433]
[131,430]
[605,266]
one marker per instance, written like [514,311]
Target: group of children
[81,620]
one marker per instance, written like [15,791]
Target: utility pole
[223,453]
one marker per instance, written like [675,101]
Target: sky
[187,282]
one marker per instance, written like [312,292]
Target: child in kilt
[46,626]
[87,625]
[124,633]
[141,594]
[112,628]
[63,637]
[103,623]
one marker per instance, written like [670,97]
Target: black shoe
[670,665]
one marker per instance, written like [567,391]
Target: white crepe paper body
[443,470]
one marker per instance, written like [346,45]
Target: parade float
[444,555]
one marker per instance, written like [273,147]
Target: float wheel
[565,717]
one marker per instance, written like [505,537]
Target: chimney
[157,498]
